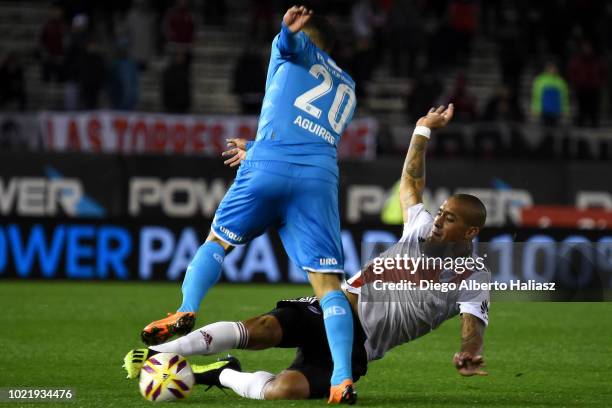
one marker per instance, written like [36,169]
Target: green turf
[66,334]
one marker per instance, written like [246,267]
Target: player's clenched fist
[296,17]
[468,364]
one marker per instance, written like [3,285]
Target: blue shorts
[300,201]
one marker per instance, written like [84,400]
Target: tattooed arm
[412,182]
[413,173]
[469,360]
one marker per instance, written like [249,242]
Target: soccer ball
[166,377]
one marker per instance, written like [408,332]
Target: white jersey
[393,317]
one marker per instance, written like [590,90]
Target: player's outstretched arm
[294,21]
[469,360]
[296,18]
[412,182]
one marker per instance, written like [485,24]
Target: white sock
[247,385]
[210,339]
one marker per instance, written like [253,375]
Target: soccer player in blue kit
[289,180]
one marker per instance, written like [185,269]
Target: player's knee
[323,283]
[289,385]
[264,332]
[213,238]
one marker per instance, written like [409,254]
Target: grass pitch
[69,334]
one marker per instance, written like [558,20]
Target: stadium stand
[220,40]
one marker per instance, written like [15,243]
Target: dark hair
[321,32]
[475,213]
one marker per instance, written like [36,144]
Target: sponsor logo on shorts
[334,311]
[231,235]
[328,261]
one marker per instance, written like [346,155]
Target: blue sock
[338,319]
[203,272]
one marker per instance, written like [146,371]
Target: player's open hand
[236,152]
[437,117]
[296,17]
[468,364]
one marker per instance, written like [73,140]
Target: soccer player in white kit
[387,318]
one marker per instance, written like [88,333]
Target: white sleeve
[476,302]
[418,220]
[480,310]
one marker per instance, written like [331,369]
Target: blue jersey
[308,103]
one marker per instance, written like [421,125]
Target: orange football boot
[343,393]
[159,331]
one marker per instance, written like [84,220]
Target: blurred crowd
[98,50]
[563,40]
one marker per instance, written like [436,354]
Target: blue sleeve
[290,44]
[249,145]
